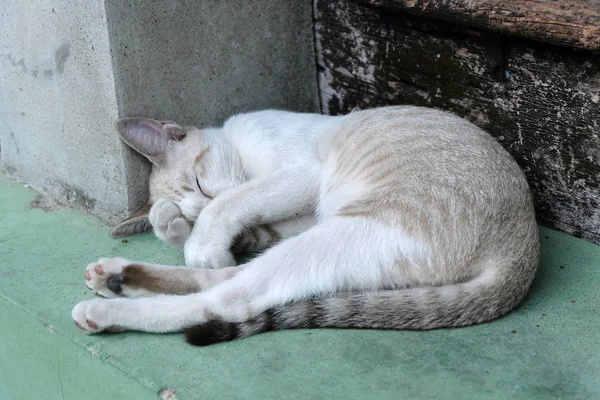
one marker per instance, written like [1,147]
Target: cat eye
[202,191]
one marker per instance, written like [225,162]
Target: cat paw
[168,222]
[105,277]
[207,257]
[93,316]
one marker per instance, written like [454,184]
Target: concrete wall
[70,68]
[58,103]
[196,62]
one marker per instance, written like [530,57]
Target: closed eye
[202,191]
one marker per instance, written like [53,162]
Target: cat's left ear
[136,223]
[150,137]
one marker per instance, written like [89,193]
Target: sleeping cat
[390,218]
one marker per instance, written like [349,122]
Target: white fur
[298,268]
[279,156]
[282,156]
[276,167]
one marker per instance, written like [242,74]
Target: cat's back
[270,140]
[430,172]
[424,146]
[276,126]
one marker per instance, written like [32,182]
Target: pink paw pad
[99,270]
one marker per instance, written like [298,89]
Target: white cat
[391,218]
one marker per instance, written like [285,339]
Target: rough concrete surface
[197,62]
[546,349]
[69,68]
[58,104]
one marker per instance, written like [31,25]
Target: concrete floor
[547,349]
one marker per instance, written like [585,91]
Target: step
[546,349]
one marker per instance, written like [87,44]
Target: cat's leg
[119,277]
[261,237]
[169,223]
[343,255]
[171,226]
[278,197]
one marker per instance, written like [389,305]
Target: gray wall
[70,68]
[196,62]
[58,104]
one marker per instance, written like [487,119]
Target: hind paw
[105,277]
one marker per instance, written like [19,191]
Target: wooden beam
[573,23]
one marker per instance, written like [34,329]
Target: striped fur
[405,309]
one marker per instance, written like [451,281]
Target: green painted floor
[548,349]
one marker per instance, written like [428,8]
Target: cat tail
[484,298]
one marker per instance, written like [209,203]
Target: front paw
[93,316]
[169,223]
[207,257]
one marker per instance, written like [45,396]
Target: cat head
[190,166]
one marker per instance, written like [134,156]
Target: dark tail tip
[211,332]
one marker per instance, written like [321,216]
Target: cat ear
[136,223]
[149,137]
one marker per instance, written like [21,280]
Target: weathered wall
[69,68]
[541,102]
[198,62]
[58,103]
[573,23]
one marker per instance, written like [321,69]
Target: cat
[391,218]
